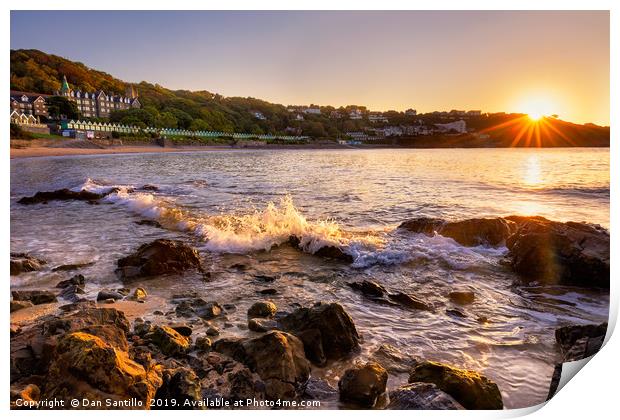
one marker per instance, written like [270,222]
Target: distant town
[52,97]
[31,112]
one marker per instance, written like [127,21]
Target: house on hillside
[29,103]
[99,104]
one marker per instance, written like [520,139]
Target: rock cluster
[539,249]
[162,256]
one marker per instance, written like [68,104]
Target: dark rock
[71,293]
[577,342]
[15,329]
[363,385]
[471,389]
[409,301]
[462,297]
[393,360]
[265,309]
[268,292]
[24,263]
[368,288]
[223,377]
[183,329]
[555,380]
[277,357]
[37,297]
[263,278]
[106,294]
[203,343]
[470,232]
[262,325]
[72,267]
[149,187]
[16,305]
[327,331]
[162,256]
[61,195]
[147,222]
[326,251]
[560,253]
[180,389]
[77,280]
[421,396]
[318,389]
[456,313]
[198,307]
[212,331]
[124,291]
[170,342]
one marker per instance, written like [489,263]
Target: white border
[593,394]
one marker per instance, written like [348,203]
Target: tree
[199,125]
[60,107]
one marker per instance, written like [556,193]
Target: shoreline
[60,151]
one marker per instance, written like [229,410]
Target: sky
[551,62]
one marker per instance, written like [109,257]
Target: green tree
[60,107]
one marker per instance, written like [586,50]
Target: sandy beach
[42,151]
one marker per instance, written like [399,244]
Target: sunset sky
[551,62]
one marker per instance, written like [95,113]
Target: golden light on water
[531,171]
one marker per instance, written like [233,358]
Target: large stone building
[29,103]
[99,104]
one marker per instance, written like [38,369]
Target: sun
[537,107]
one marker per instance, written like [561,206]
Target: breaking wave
[263,229]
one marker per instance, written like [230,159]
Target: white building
[258,115]
[355,114]
[315,111]
[456,126]
[376,117]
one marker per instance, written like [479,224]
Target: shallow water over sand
[236,207]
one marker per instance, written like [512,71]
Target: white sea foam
[259,230]
[277,222]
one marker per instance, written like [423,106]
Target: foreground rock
[363,385]
[560,253]
[326,329]
[393,360]
[198,307]
[162,256]
[85,366]
[421,396]
[168,340]
[379,294]
[264,309]
[577,342]
[470,232]
[180,388]
[37,297]
[471,389]
[24,263]
[64,194]
[277,357]
[33,349]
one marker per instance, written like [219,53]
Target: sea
[238,208]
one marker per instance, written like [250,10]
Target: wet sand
[69,151]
